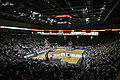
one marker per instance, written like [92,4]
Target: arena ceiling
[85,13]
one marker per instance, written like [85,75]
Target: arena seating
[103,60]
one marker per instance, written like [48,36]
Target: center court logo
[66,55]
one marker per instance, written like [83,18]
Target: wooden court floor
[74,55]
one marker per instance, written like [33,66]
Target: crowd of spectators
[102,61]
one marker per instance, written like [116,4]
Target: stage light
[35,13]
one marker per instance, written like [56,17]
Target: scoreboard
[63,20]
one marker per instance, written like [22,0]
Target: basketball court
[70,56]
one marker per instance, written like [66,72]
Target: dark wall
[14,23]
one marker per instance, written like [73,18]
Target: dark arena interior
[59,39]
